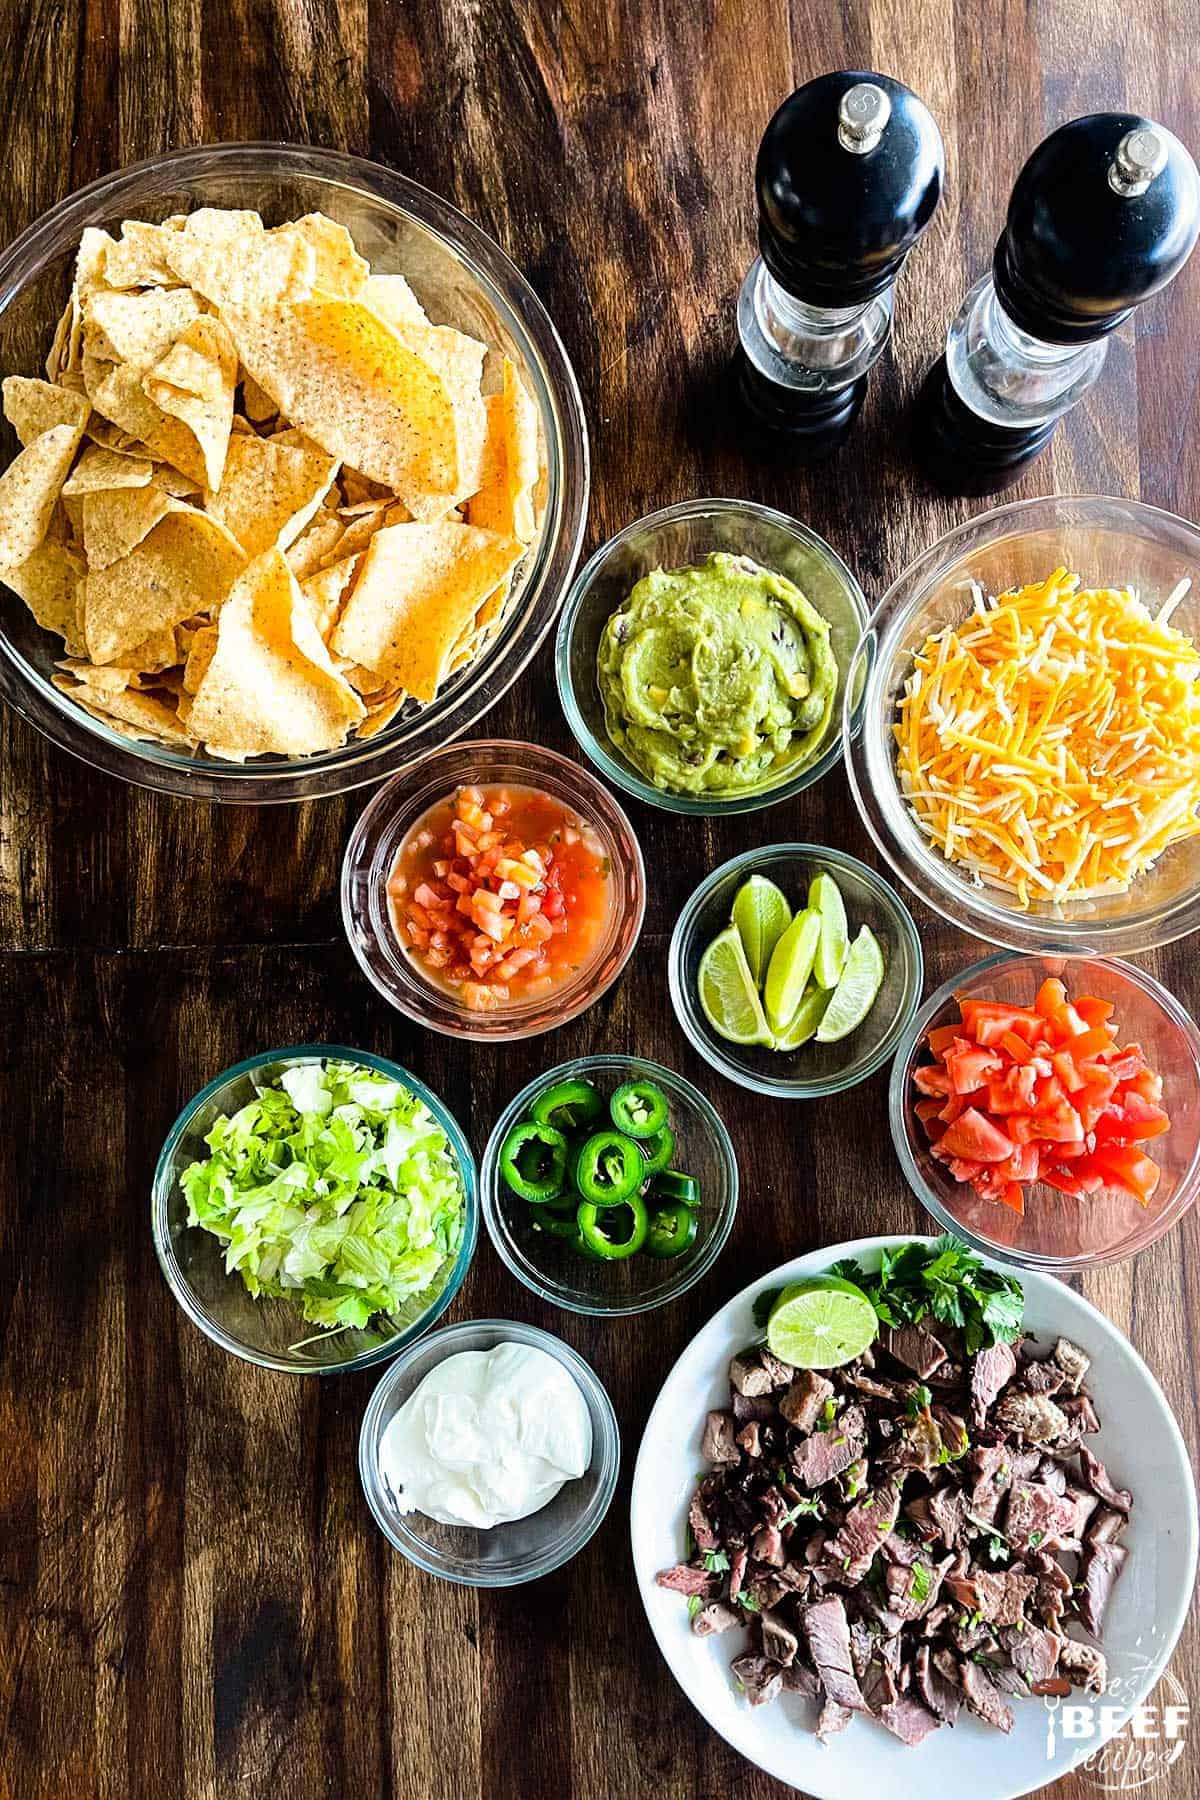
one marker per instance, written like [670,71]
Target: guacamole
[717,679]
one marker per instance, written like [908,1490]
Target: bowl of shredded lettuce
[314,1209]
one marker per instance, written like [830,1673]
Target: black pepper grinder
[849,173]
[1104,214]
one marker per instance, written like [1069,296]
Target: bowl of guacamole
[701,656]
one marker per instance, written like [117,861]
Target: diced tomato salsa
[1021,1094]
[501,894]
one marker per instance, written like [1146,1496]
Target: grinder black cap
[1104,214]
[848,176]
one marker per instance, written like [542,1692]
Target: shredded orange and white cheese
[1049,745]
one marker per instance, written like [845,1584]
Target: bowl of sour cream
[489,1453]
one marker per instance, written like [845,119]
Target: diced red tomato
[1024,1095]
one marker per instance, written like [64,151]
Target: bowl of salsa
[492,890]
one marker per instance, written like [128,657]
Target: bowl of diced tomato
[1047,1109]
[493,890]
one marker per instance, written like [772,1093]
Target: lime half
[825,898]
[856,991]
[804,1020]
[729,993]
[790,967]
[821,1323]
[762,915]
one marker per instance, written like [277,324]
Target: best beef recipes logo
[1151,1740]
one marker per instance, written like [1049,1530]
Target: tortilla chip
[271,686]
[203,649]
[258,404]
[172,481]
[29,490]
[247,270]
[99,470]
[420,585]
[504,502]
[58,356]
[115,521]
[270,491]
[345,378]
[138,328]
[325,591]
[48,583]
[391,297]
[337,266]
[94,246]
[194,383]
[116,392]
[186,565]
[32,407]
[217,224]
[316,544]
[127,710]
[380,714]
[137,259]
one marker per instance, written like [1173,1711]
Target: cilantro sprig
[945,1281]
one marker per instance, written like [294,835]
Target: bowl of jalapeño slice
[609,1185]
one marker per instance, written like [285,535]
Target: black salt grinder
[1104,214]
[849,173]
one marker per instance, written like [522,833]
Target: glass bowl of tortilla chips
[293,473]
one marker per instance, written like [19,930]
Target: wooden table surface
[194,1600]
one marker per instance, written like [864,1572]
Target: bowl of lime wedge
[795,970]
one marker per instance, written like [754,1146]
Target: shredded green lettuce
[336,1188]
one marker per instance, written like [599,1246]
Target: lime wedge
[821,1323]
[856,991]
[825,897]
[790,967]
[729,993]
[762,915]
[805,1019]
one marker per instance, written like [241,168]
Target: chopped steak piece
[1036,1516]
[982,1697]
[919,1445]
[939,1695]
[798,1678]
[759,1676]
[752,1406]
[805,1399]
[714,1617]
[1052,1475]
[747,1375]
[768,1546]
[828,1636]
[826,1453]
[750,1438]
[834,1718]
[856,1377]
[1096,1477]
[999,1597]
[765,1587]
[909,1720]
[1082,1415]
[1099,1566]
[879,1687]
[1085,1664]
[852,1481]
[1043,1378]
[862,1646]
[1032,1417]
[781,1373]
[778,1640]
[1053,1589]
[1073,1362]
[914,1591]
[719,1444]
[737,1570]
[915,1348]
[993,1369]
[948,1509]
[858,1538]
[904,1550]
[702,1526]
[1108,1526]
[683,1579]
[1085,1505]
[1034,1652]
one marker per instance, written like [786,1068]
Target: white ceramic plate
[1140,1444]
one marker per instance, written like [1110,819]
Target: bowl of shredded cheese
[1027,753]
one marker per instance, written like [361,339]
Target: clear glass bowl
[813,1070]
[525,1548]
[273,1334]
[1058,1233]
[464,279]
[387,821]
[634,1284]
[672,539]
[1107,542]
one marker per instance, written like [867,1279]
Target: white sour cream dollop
[488,1436]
